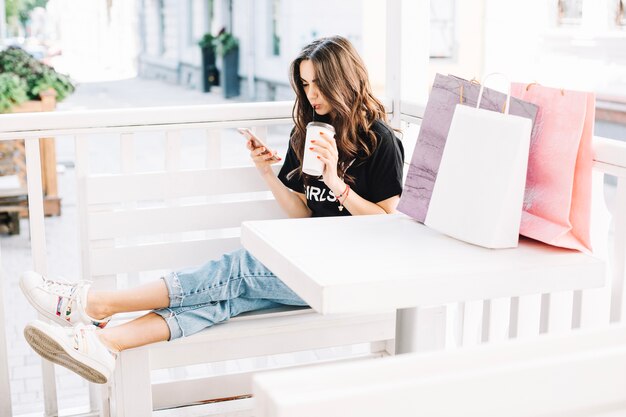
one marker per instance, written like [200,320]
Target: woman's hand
[326,149]
[262,158]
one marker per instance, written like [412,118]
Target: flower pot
[230,73]
[210,75]
[47,149]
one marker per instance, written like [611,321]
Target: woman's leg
[179,322]
[73,303]
[151,296]
[195,299]
[190,300]
[222,279]
[144,330]
[234,284]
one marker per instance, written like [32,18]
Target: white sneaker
[78,349]
[60,301]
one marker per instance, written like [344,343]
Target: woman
[362,172]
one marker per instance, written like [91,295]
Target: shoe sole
[55,351]
[47,314]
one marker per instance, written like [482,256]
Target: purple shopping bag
[447,92]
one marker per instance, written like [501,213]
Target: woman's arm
[357,205]
[292,203]
[326,148]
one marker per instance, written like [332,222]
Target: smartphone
[256,142]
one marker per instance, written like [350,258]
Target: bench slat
[190,391]
[107,261]
[150,221]
[301,330]
[119,188]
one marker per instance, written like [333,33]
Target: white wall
[194,18]
[299,25]
[93,46]
[522,39]
[468,61]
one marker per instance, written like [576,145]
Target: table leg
[420,329]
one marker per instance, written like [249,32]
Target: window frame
[451,32]
[568,21]
[620,13]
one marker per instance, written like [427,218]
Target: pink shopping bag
[557,200]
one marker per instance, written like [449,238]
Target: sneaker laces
[63,288]
[80,334]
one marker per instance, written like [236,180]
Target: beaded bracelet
[343,194]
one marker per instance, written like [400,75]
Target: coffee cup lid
[321,124]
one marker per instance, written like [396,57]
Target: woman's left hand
[326,149]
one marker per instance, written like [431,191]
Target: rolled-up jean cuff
[174,289]
[172,322]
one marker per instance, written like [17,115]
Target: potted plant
[210,74]
[38,77]
[12,91]
[228,49]
[27,85]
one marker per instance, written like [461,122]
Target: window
[620,17]
[275,27]
[570,12]
[442,20]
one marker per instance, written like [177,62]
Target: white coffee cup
[311,164]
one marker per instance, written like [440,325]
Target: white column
[250,49]
[183,25]
[407,53]
[415,50]
[373,45]
[596,16]
[393,55]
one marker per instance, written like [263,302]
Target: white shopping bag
[479,191]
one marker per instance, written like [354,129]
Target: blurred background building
[573,43]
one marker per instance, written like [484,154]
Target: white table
[364,263]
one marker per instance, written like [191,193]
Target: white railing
[478,317]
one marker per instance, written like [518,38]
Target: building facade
[532,40]
[270,34]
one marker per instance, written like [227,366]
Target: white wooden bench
[135,222]
[577,374]
[135,226]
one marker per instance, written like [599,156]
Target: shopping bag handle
[482,87]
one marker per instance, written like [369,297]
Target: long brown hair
[343,82]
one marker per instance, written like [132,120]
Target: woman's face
[309,83]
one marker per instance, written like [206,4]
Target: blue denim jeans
[221,289]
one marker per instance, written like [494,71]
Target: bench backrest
[124,237]
[133,222]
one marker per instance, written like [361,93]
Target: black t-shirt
[376,178]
